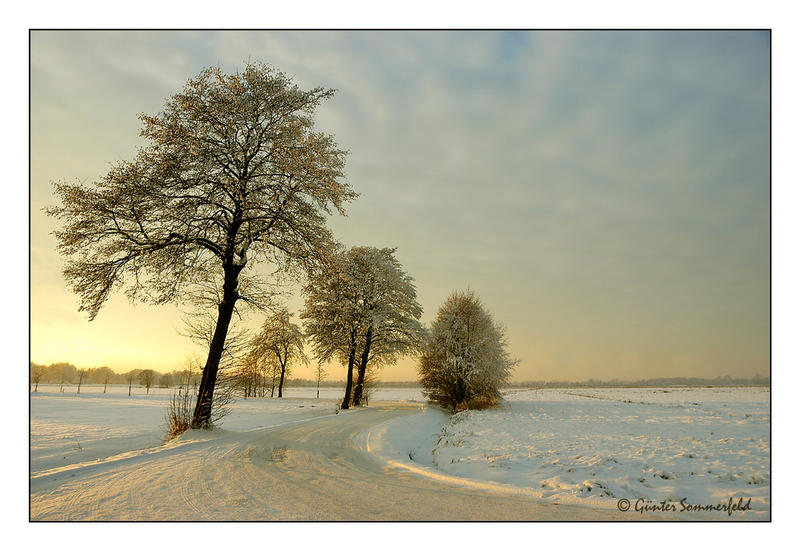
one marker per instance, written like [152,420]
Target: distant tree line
[756,380]
[304,383]
[66,374]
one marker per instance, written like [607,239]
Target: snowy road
[309,470]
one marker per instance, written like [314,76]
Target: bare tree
[189,375]
[81,375]
[130,376]
[200,327]
[146,378]
[249,375]
[369,384]
[233,175]
[465,362]
[106,376]
[165,381]
[244,376]
[282,341]
[100,375]
[36,375]
[361,307]
[320,376]
[66,373]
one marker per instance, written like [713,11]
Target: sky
[606,194]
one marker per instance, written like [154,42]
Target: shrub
[179,414]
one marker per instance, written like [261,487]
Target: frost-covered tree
[390,311]
[282,341]
[361,308]
[465,361]
[233,175]
[330,316]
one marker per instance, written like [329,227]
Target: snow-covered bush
[465,362]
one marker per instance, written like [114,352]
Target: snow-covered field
[68,428]
[596,446]
[568,446]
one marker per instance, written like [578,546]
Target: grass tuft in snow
[179,413]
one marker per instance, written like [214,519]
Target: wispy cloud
[606,193]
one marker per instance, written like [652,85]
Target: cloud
[597,189]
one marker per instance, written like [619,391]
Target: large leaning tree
[361,308]
[233,174]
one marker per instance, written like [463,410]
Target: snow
[70,429]
[587,447]
[377,395]
[596,446]
[406,441]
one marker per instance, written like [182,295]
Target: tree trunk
[348,388]
[362,369]
[280,384]
[205,395]
[461,394]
